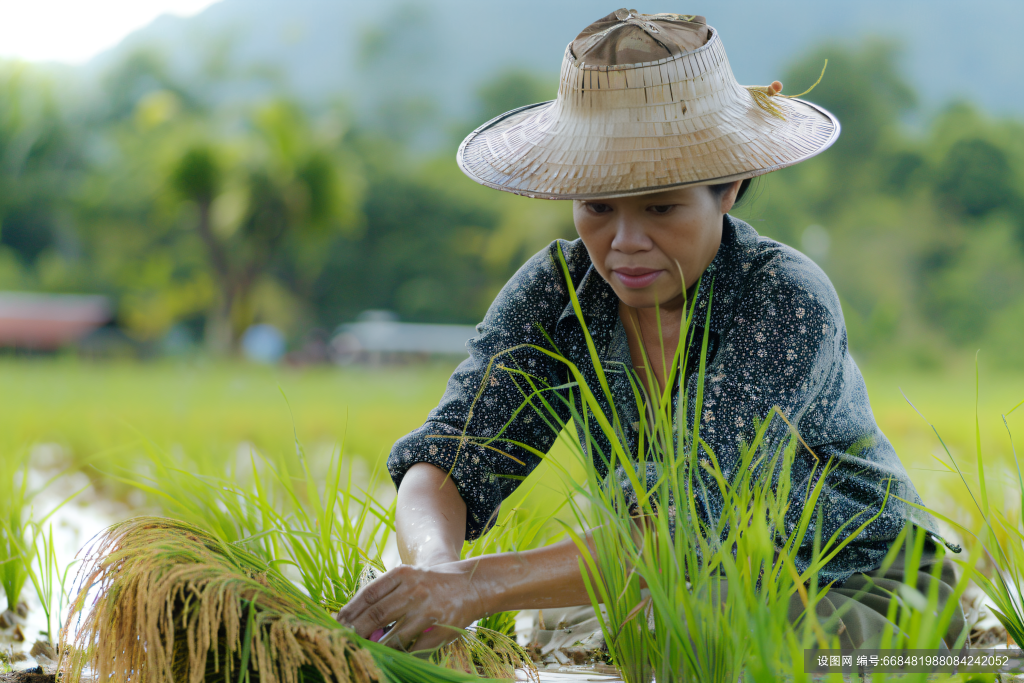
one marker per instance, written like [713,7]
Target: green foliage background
[915,215]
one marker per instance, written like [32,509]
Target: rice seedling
[27,550]
[47,576]
[14,504]
[682,571]
[213,502]
[716,594]
[329,537]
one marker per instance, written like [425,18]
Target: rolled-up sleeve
[485,391]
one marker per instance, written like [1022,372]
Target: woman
[654,142]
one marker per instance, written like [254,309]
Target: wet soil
[28,677]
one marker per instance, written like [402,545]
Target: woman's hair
[722,187]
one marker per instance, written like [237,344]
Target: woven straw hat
[646,102]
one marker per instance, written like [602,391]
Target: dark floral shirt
[777,338]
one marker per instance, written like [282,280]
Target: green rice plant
[210,501]
[26,552]
[334,537]
[15,500]
[335,540]
[681,564]
[48,577]
[329,537]
[920,622]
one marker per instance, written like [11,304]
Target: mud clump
[34,675]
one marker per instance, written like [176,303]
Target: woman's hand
[422,600]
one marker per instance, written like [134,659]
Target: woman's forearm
[454,594]
[430,517]
[535,579]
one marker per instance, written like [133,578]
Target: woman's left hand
[422,601]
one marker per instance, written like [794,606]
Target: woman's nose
[630,237]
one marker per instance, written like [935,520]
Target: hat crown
[628,37]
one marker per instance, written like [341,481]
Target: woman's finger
[407,632]
[392,607]
[367,597]
[436,636]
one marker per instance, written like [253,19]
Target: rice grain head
[174,604]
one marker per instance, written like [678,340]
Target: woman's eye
[599,208]
[663,209]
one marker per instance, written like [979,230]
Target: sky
[72,31]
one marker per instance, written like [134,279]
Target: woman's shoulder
[537,289]
[545,266]
[766,268]
[577,258]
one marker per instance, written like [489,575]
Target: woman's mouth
[637,278]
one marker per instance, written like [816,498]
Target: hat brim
[525,152]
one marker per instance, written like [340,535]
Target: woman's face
[636,242]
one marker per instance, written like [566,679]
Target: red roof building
[49,321]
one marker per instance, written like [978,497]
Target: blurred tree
[189,210]
[140,74]
[862,87]
[285,188]
[901,171]
[38,161]
[511,89]
[420,254]
[975,178]
[921,218]
[971,271]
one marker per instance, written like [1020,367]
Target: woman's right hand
[421,601]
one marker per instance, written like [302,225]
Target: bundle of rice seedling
[162,601]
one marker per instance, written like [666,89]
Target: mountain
[401,58]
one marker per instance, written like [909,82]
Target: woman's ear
[729,196]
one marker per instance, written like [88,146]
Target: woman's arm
[458,593]
[430,518]
[485,391]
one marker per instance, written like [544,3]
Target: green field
[209,413]
[209,409]
[947,400]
